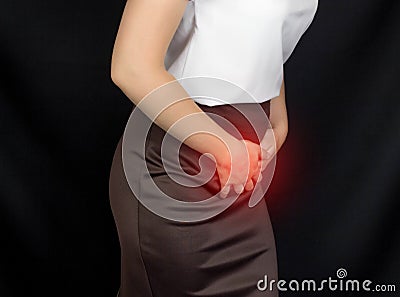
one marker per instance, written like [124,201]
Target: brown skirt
[225,255]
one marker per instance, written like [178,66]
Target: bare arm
[137,68]
[279,118]
[275,137]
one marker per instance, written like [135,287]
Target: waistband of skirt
[245,117]
[223,108]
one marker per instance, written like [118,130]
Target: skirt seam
[140,251]
[138,214]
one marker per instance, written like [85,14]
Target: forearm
[279,118]
[167,109]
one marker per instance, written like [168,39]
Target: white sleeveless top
[245,42]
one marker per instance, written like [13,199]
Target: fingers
[267,155]
[254,175]
[267,148]
[249,185]
[257,176]
[243,175]
[224,192]
[238,188]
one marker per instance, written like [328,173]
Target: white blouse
[245,42]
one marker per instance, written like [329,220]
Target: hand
[271,144]
[240,168]
[268,148]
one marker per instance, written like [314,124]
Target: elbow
[133,73]
[118,75]
[120,69]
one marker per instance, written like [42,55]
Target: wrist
[216,145]
[223,154]
[280,133]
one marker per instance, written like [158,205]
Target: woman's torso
[244,42]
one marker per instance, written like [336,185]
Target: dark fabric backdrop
[334,201]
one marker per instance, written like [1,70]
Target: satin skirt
[226,255]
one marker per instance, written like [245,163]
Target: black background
[334,200]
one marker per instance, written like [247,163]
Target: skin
[279,124]
[137,68]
